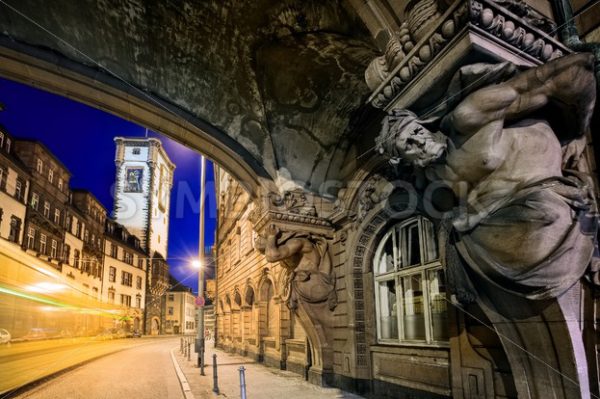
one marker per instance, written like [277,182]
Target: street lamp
[200,315]
[200,264]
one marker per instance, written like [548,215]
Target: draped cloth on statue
[310,282]
[494,243]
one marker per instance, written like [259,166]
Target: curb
[185,386]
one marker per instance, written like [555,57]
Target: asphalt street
[142,371]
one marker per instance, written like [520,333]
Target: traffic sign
[200,301]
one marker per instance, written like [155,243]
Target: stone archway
[223,85]
[155,326]
[249,322]
[115,97]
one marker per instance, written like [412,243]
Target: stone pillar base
[321,378]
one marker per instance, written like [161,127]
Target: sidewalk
[262,382]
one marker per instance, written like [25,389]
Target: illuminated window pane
[414,316]
[388,314]
[438,304]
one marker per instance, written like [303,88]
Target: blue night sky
[82,138]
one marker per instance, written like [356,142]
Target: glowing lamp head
[197,264]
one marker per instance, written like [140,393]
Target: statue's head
[260,244]
[403,136]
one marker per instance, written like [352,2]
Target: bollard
[189,350]
[242,383]
[215,376]
[181,345]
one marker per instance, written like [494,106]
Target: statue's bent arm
[568,80]
[276,253]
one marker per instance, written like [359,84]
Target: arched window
[410,285]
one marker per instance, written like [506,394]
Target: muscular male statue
[527,224]
[309,271]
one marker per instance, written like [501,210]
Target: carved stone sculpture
[510,147]
[309,287]
[309,276]
[525,225]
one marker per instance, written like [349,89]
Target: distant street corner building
[144,179]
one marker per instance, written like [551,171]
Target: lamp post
[200,315]
[201,266]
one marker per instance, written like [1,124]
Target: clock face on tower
[133,180]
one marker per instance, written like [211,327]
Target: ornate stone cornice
[519,34]
[292,210]
[513,30]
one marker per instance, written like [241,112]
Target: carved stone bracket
[509,24]
[290,211]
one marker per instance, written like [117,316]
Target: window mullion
[422,242]
[399,307]
[395,250]
[427,310]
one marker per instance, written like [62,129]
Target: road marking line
[185,386]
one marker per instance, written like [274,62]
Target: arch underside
[266,89]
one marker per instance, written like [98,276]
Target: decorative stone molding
[294,202]
[512,23]
[289,209]
[361,264]
[375,190]
[418,54]
[513,30]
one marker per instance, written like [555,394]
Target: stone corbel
[290,211]
[435,39]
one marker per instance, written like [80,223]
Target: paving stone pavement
[262,382]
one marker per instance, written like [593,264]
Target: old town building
[408,204]
[48,201]
[94,217]
[76,264]
[125,271]
[14,188]
[180,310]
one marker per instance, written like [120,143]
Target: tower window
[133,180]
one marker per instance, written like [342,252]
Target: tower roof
[146,141]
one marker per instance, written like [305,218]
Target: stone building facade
[14,189]
[180,312]
[367,289]
[94,216]
[48,201]
[125,272]
[76,265]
